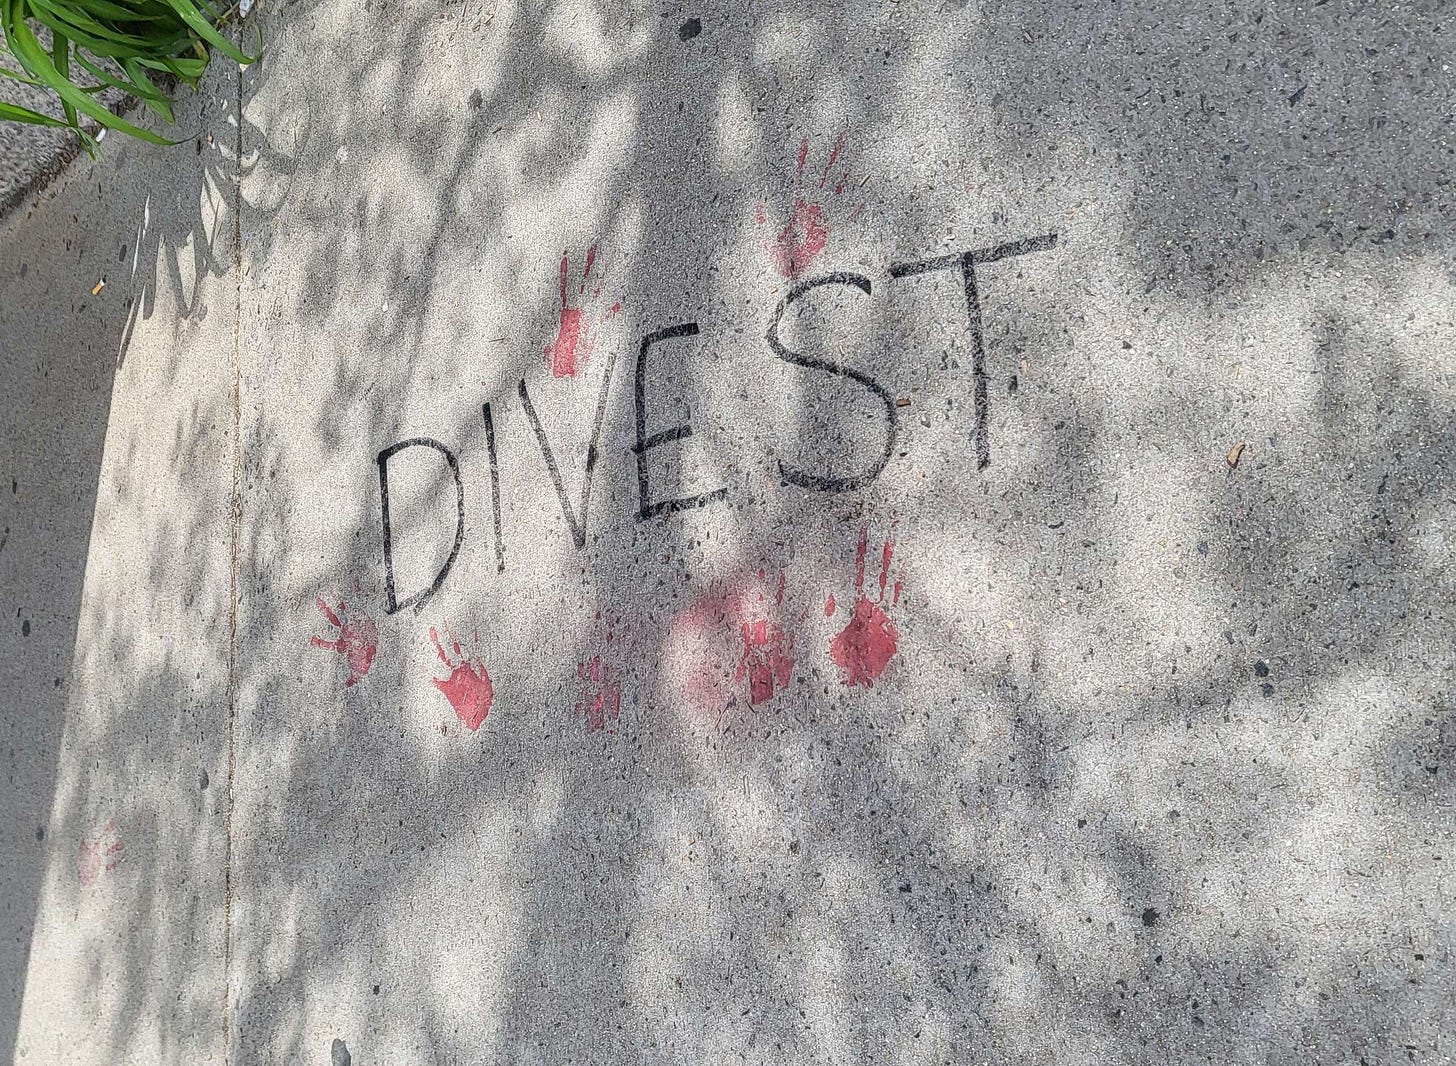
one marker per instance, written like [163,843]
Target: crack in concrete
[235,539]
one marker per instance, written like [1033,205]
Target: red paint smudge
[699,649]
[468,687]
[591,257]
[99,854]
[733,645]
[568,350]
[829,606]
[568,344]
[767,659]
[806,233]
[864,647]
[800,241]
[603,702]
[358,640]
[833,158]
[766,662]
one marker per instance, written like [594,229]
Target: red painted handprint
[357,642]
[567,352]
[723,640]
[867,643]
[468,687]
[806,233]
[768,651]
[100,854]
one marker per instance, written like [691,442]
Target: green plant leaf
[153,97]
[204,29]
[6,72]
[121,13]
[99,38]
[61,56]
[16,113]
[118,44]
[28,50]
[107,79]
[184,67]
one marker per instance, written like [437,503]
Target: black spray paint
[495,507]
[577,523]
[646,506]
[968,261]
[819,481]
[419,599]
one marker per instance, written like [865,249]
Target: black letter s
[822,482]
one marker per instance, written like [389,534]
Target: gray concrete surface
[30,156]
[114,542]
[1059,729]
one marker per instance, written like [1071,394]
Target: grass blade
[33,57]
[61,56]
[200,26]
[16,113]
[150,95]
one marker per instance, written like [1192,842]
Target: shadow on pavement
[1161,768]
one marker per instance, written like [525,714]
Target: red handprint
[99,854]
[567,352]
[358,640]
[768,651]
[724,639]
[468,687]
[806,233]
[867,643]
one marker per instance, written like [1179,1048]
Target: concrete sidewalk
[791,533]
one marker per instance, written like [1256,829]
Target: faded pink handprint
[601,702]
[868,641]
[567,352]
[732,647]
[100,853]
[768,649]
[806,233]
[357,642]
[468,688]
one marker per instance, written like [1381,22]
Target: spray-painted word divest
[649,505]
